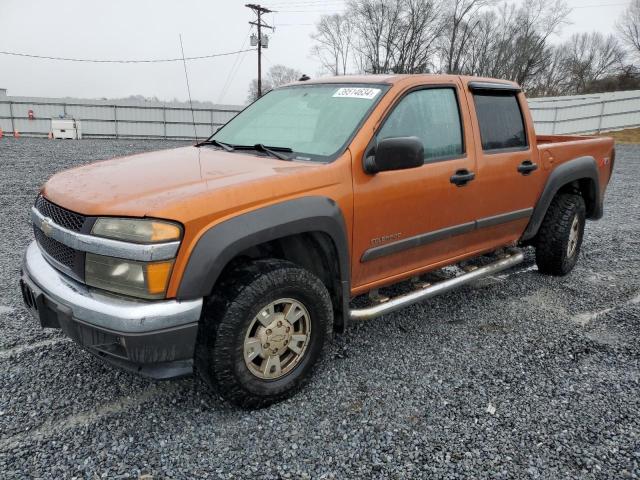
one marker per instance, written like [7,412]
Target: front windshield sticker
[357,92]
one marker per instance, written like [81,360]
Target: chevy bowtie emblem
[46,226]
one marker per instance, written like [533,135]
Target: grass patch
[630,135]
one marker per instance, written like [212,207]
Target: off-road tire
[553,255]
[228,314]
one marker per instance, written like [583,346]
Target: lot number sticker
[357,92]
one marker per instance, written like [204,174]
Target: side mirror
[395,154]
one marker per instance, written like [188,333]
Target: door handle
[526,167]
[462,177]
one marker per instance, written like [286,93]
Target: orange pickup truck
[238,256]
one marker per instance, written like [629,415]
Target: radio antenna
[186,76]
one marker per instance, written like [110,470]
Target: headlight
[138,279]
[137,230]
[129,277]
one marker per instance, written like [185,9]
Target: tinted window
[500,118]
[432,115]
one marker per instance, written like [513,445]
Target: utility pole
[259,10]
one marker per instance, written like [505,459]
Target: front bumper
[154,338]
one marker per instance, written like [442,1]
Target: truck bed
[557,149]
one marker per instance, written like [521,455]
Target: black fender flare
[222,242]
[577,169]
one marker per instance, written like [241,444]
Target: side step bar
[512,257]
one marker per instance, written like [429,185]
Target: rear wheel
[264,329]
[560,236]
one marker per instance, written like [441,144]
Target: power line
[307,5]
[597,5]
[234,67]
[91,60]
[186,76]
[304,2]
[326,11]
[233,75]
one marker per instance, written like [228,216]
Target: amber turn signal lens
[164,232]
[137,230]
[158,276]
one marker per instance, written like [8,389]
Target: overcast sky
[148,29]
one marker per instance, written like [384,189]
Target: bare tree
[276,76]
[279,75]
[489,48]
[590,57]
[420,27]
[380,36]
[252,96]
[333,43]
[536,21]
[462,21]
[627,78]
[376,25]
[629,27]
[553,79]
[513,41]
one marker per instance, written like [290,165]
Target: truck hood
[156,183]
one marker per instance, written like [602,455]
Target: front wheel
[560,236]
[263,330]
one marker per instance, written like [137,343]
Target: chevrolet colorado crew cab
[238,256]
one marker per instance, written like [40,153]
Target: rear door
[509,178]
[406,220]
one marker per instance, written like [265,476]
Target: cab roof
[377,78]
[392,79]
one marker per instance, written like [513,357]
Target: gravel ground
[518,376]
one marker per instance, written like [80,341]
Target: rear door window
[501,122]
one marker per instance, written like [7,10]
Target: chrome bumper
[154,338]
[103,309]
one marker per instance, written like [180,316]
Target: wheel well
[586,187]
[313,251]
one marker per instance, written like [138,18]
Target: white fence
[129,119]
[113,119]
[593,113]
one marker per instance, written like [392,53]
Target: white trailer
[67,128]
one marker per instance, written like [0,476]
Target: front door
[408,220]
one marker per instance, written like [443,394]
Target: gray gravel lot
[518,376]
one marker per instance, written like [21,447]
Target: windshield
[314,121]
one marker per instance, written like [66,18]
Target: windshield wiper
[273,151]
[226,146]
[259,147]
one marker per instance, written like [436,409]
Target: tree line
[516,41]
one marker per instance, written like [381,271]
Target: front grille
[56,250]
[69,260]
[63,217]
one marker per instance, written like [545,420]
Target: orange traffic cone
[1,133]
[16,134]
[50,135]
